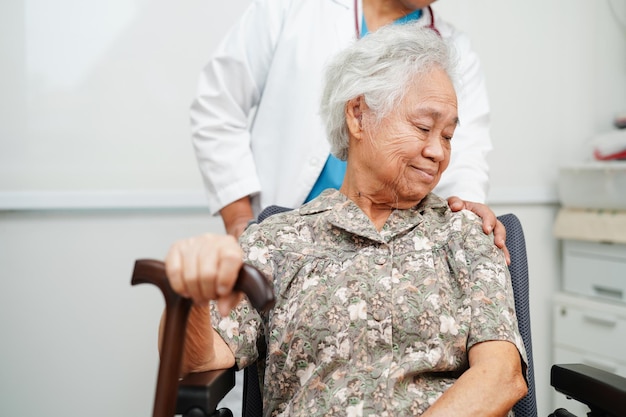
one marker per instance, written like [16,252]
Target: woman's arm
[204,349]
[491,386]
[494,381]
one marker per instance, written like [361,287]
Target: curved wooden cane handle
[250,281]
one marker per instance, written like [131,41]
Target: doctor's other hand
[490,222]
[205,268]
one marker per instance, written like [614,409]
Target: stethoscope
[358,31]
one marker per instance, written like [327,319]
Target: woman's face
[408,150]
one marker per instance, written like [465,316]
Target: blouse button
[379,315]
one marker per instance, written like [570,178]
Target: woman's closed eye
[448,133]
[426,129]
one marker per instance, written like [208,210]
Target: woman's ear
[354,116]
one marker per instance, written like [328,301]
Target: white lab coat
[273,61]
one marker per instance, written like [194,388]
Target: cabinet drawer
[595,269]
[590,326]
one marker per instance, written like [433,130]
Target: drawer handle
[600,319]
[608,292]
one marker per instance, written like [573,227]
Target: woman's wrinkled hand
[205,268]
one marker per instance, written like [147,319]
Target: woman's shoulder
[441,216]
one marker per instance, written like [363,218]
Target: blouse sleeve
[489,290]
[243,326]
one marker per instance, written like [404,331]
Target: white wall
[77,339]
[93,124]
[102,88]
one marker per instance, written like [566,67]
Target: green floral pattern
[367,322]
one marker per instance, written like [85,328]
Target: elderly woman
[388,303]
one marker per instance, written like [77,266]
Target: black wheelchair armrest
[201,392]
[603,392]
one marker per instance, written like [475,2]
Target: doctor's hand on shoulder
[490,221]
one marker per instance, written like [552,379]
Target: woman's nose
[434,148]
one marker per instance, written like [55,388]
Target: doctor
[257,134]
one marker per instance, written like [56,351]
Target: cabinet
[589,314]
[595,269]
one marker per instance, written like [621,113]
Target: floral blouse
[370,322]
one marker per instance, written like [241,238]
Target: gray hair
[378,67]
